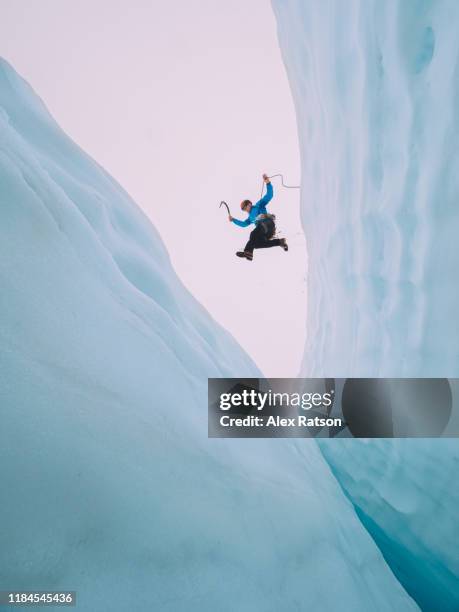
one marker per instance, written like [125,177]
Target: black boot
[247,254]
[283,244]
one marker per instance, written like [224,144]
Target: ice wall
[376,90]
[406,493]
[110,486]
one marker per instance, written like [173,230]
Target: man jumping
[262,236]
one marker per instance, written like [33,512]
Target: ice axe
[223,203]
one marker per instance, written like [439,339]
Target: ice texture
[406,493]
[110,486]
[376,90]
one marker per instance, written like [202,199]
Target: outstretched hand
[230,218]
[266,178]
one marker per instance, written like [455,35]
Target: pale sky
[185,103]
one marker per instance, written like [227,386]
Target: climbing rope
[282,181]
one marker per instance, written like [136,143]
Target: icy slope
[376,89]
[109,484]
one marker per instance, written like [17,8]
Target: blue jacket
[257,209]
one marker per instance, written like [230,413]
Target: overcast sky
[185,103]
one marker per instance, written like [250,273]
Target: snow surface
[110,485]
[376,91]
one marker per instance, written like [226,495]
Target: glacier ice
[110,486]
[376,92]
[406,493]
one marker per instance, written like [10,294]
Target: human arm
[240,223]
[269,192]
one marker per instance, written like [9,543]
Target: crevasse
[110,486]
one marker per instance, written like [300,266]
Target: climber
[262,236]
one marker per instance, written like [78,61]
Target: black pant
[261,237]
